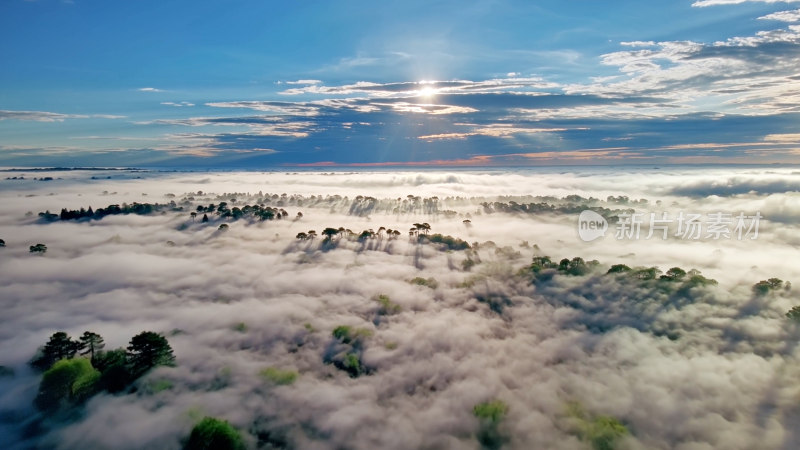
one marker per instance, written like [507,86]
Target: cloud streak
[44,116]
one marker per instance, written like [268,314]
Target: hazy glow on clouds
[733,357]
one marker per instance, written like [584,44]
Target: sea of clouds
[716,368]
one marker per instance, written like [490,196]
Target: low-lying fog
[707,366]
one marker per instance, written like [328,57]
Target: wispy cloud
[752,75]
[304,82]
[177,104]
[427,88]
[493,130]
[783,16]
[284,108]
[257,125]
[149,89]
[37,116]
[44,116]
[789,138]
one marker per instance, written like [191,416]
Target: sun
[426,90]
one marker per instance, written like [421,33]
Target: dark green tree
[38,248]
[764,286]
[2,243]
[113,366]
[91,344]
[648,273]
[214,434]
[147,350]
[60,346]
[330,233]
[619,268]
[674,274]
[794,314]
[205,218]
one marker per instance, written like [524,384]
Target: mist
[700,366]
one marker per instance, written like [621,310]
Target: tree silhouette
[194,215]
[147,350]
[2,243]
[38,248]
[425,228]
[205,218]
[60,346]
[91,343]
[330,233]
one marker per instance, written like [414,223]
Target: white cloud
[415,88]
[493,130]
[149,89]
[304,82]
[638,44]
[178,104]
[741,75]
[283,108]
[783,16]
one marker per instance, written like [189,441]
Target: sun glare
[426,90]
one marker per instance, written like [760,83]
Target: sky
[254,84]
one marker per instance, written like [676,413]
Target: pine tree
[91,344]
[60,346]
[147,350]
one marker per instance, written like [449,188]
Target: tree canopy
[59,346]
[214,434]
[147,350]
[67,383]
[91,343]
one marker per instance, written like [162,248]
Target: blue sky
[270,84]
